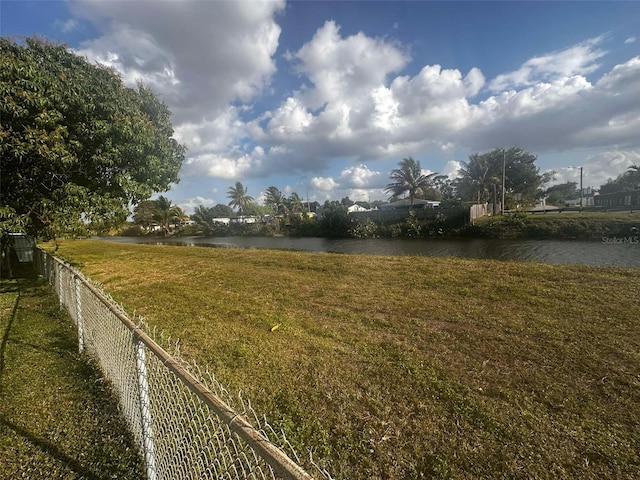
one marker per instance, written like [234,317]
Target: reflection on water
[608,251]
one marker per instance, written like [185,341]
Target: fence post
[145,409]
[79,319]
[60,287]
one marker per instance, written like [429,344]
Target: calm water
[611,251]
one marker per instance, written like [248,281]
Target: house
[628,199]
[405,204]
[357,208]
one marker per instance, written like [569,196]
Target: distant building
[357,208]
[618,199]
[405,204]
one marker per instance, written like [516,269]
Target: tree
[484,172]
[221,210]
[239,197]
[144,213]
[294,203]
[557,194]
[274,199]
[334,220]
[629,180]
[409,179]
[77,146]
[445,187]
[160,211]
[204,217]
[167,214]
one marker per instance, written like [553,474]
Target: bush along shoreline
[557,226]
[519,224]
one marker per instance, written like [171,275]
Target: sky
[325,98]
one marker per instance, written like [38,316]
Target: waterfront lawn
[567,225]
[58,418]
[406,367]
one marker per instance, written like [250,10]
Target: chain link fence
[180,416]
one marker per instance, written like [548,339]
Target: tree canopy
[484,171]
[627,181]
[239,198]
[557,194]
[408,178]
[77,145]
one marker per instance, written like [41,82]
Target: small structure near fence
[181,419]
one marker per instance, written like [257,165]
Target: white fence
[179,415]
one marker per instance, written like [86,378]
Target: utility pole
[581,189]
[504,162]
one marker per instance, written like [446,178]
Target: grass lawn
[583,225]
[406,367]
[58,419]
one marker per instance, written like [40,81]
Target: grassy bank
[58,420]
[568,225]
[406,367]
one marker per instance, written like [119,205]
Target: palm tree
[634,175]
[409,178]
[239,197]
[273,198]
[294,203]
[166,213]
[477,178]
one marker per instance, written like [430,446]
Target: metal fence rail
[179,415]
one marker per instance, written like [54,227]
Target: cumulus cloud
[569,112]
[343,68]
[189,205]
[451,169]
[352,99]
[359,176]
[630,40]
[598,168]
[579,59]
[200,56]
[325,184]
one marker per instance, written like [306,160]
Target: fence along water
[179,415]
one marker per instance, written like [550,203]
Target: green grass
[58,418]
[406,367]
[585,225]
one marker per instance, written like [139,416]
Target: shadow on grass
[24,277]
[60,396]
[53,451]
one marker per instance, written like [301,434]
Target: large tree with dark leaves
[77,146]
[483,174]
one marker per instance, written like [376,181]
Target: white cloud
[359,176]
[325,184]
[353,101]
[630,40]
[567,113]
[598,168]
[343,68]
[189,205]
[67,26]
[217,52]
[451,169]
[579,59]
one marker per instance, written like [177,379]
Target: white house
[356,208]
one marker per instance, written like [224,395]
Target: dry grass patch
[406,367]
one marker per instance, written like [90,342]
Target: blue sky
[325,98]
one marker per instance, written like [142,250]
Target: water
[616,251]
